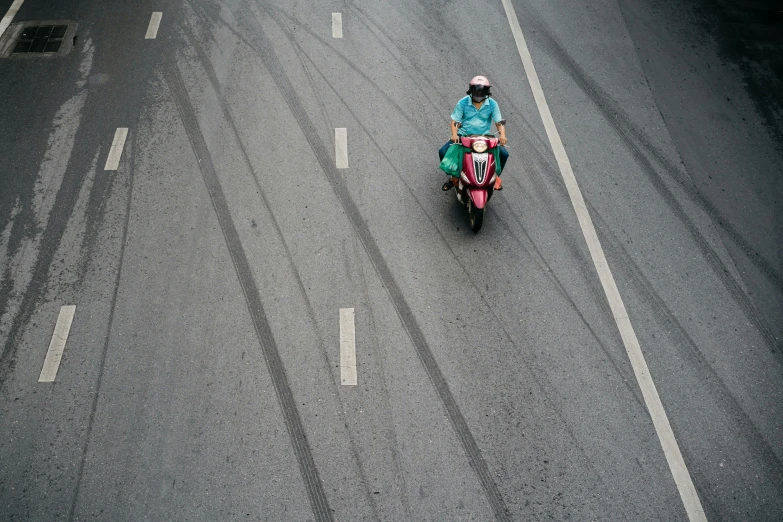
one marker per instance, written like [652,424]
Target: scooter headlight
[479,146]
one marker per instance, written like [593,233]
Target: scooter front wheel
[476,218]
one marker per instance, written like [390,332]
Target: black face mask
[479,93]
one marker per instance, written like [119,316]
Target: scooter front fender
[478,197]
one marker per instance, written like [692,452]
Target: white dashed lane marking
[341,148]
[152,29]
[652,401]
[347,347]
[115,153]
[57,344]
[9,15]
[337,25]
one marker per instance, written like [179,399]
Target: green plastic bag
[452,160]
[496,153]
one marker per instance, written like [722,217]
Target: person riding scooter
[474,114]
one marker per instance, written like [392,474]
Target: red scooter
[477,179]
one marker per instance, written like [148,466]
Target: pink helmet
[479,87]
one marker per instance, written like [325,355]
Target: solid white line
[347,347]
[337,25]
[57,344]
[671,449]
[341,148]
[113,160]
[9,16]
[152,29]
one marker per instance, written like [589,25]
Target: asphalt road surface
[178,184]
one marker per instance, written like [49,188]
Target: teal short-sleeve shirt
[476,121]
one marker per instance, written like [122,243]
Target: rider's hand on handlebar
[455,139]
[502,141]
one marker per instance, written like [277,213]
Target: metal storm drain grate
[40,39]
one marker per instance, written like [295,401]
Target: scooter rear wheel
[476,218]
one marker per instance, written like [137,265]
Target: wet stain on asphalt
[750,35]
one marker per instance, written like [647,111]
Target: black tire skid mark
[522,157]
[417,73]
[538,380]
[424,209]
[570,235]
[613,116]
[757,444]
[301,53]
[430,11]
[472,281]
[455,45]
[202,13]
[736,408]
[96,212]
[266,52]
[301,447]
[131,159]
[685,333]
[277,13]
[213,79]
[630,136]
[622,123]
[303,58]
[423,130]
[391,433]
[468,275]
[534,161]
[528,244]
[507,335]
[665,316]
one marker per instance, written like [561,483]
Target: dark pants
[503,154]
